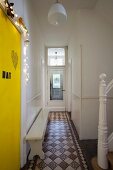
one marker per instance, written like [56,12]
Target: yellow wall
[10,39]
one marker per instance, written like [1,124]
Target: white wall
[75,55]
[36,52]
[94,34]
[19,7]
[97,41]
[32,92]
[105,8]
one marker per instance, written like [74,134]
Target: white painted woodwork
[105,143]
[109,87]
[23,110]
[69,86]
[102,127]
[36,134]
[110,138]
[57,105]
[110,142]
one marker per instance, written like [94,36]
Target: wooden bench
[35,135]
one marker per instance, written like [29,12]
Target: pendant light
[57,14]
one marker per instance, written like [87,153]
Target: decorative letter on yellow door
[10,43]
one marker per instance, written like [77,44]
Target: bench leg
[36,149]
[42,155]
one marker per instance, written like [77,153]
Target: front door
[56,88]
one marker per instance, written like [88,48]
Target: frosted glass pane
[56,56]
[56,86]
[56,80]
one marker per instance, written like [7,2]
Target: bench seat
[36,134]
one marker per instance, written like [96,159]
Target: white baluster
[102,127]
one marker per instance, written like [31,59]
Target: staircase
[104,159]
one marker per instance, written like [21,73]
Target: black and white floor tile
[61,147]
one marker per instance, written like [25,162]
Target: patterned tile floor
[61,147]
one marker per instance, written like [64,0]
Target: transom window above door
[56,56]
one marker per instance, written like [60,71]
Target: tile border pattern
[51,146]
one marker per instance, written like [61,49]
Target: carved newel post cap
[102,77]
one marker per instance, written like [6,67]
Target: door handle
[63,90]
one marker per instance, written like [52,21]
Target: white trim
[23,109]
[85,98]
[38,96]
[81,109]
[46,72]
[57,103]
[69,85]
[74,96]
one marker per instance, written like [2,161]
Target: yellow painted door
[10,52]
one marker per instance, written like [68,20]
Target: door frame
[68,85]
[54,105]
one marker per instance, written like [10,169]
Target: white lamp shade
[57,14]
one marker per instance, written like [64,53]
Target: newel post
[102,127]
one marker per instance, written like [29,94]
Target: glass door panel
[56,87]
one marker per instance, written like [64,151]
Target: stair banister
[102,127]
[109,87]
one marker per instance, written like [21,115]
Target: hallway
[60,146]
[46,68]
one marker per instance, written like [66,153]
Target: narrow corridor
[60,146]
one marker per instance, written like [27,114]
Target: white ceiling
[58,35]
